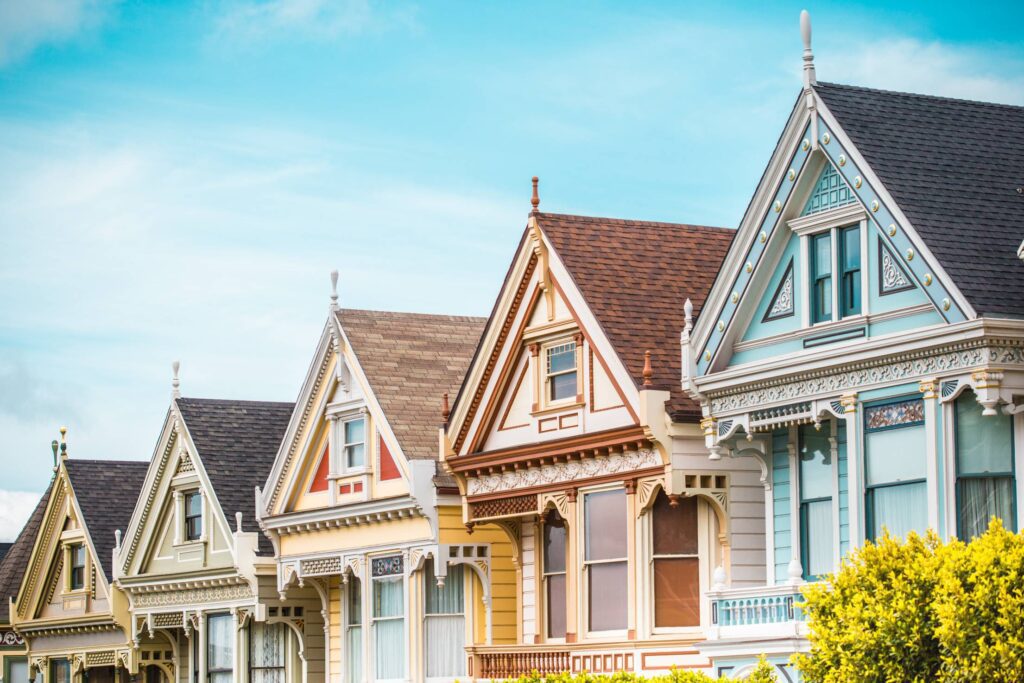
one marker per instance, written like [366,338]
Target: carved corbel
[540,251]
[986,385]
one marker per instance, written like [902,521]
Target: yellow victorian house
[74,621]
[356,503]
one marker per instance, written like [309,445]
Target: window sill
[572,404]
[189,544]
[349,474]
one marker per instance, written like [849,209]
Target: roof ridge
[435,316]
[632,221]
[235,401]
[904,93]
[98,461]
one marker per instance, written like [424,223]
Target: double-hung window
[554,574]
[606,559]
[77,573]
[560,372]
[444,623]
[220,648]
[354,447]
[193,516]
[816,519]
[676,567]
[844,243]
[895,467]
[984,468]
[354,630]
[268,652]
[388,618]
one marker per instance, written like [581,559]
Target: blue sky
[178,179]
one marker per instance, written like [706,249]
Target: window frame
[401,579]
[284,668]
[585,564]
[1011,474]
[210,671]
[72,567]
[348,625]
[653,558]
[840,244]
[8,661]
[545,353]
[187,518]
[51,677]
[458,569]
[816,277]
[545,627]
[832,498]
[869,489]
[343,424]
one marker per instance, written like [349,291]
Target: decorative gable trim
[35,573]
[892,277]
[782,304]
[829,192]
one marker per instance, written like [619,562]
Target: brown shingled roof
[410,360]
[635,277]
[13,566]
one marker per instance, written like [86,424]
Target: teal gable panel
[844,489]
[781,495]
[763,324]
[829,192]
[902,291]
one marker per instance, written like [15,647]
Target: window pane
[554,544]
[389,649]
[562,358]
[817,538]
[983,443]
[821,269]
[980,499]
[267,653]
[675,529]
[850,248]
[446,642]
[220,643]
[895,455]
[18,672]
[387,598]
[355,455]
[822,253]
[354,431]
[815,462]
[194,505]
[900,509]
[605,514]
[823,300]
[447,600]
[78,553]
[677,592]
[563,386]
[556,605]
[355,601]
[60,671]
[607,596]
[354,648]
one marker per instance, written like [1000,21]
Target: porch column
[631,559]
[929,389]
[854,467]
[572,568]
[200,650]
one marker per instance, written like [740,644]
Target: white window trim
[428,577]
[541,599]
[369,622]
[337,466]
[837,219]
[345,626]
[583,608]
[704,536]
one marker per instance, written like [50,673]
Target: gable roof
[635,276]
[15,561]
[954,168]
[410,360]
[106,491]
[237,443]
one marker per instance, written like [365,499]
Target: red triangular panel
[388,468]
[322,470]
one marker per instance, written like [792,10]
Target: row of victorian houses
[658,436]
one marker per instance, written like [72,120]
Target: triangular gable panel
[319,484]
[388,467]
[829,192]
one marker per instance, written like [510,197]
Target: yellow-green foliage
[764,672]
[920,610]
[674,676]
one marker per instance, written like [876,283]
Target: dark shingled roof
[953,167]
[4,547]
[411,360]
[636,276]
[106,492]
[237,443]
[15,561]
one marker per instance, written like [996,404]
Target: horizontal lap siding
[781,488]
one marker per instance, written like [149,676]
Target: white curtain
[818,517]
[267,653]
[354,647]
[900,509]
[982,498]
[445,629]
[389,628]
[220,648]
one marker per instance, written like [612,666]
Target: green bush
[764,673]
[920,610]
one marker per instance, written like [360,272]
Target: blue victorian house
[863,342]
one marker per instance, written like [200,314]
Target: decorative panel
[782,305]
[387,566]
[830,192]
[899,414]
[511,505]
[892,277]
[322,566]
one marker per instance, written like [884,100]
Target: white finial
[810,78]
[334,290]
[718,579]
[238,522]
[117,539]
[795,571]
[688,312]
[175,382]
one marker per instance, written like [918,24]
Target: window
[154,674]
[193,516]
[220,648]
[561,372]
[444,623]
[355,443]
[554,574]
[676,564]
[849,270]
[17,670]
[605,559]
[60,671]
[984,468]
[388,618]
[268,651]
[354,630]
[895,467]
[816,523]
[821,275]
[77,575]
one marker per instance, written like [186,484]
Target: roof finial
[805,32]
[55,446]
[175,382]
[63,443]
[445,410]
[688,315]
[334,290]
[535,199]
[648,372]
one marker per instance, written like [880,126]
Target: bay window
[984,468]
[220,648]
[388,618]
[676,567]
[606,559]
[895,468]
[444,623]
[268,652]
[817,539]
[560,373]
[354,629]
[554,546]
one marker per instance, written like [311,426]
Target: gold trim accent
[749,267]
[857,182]
[874,205]
[826,138]
[735,297]
[910,254]
[946,304]
[842,160]
[806,144]
[927,279]
[892,230]
[763,237]
[791,175]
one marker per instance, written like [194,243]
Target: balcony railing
[500,664]
[764,608]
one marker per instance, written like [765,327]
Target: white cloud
[28,24]
[250,21]
[15,509]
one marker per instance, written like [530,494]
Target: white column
[929,388]
[854,467]
[201,649]
[178,522]
[237,654]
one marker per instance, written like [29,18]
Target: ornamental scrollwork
[587,468]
